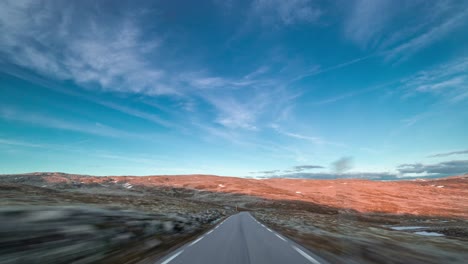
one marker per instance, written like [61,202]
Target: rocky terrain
[370,238]
[79,234]
[62,218]
[79,223]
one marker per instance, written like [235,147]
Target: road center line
[280,237]
[172,257]
[193,243]
[305,255]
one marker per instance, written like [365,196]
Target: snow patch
[406,227]
[127,185]
[298,192]
[440,186]
[425,233]
[221,185]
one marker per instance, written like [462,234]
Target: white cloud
[137,113]
[258,72]
[51,122]
[367,19]
[314,140]
[128,159]
[447,84]
[203,81]
[318,70]
[278,12]
[20,143]
[397,30]
[57,43]
[67,41]
[451,153]
[451,167]
[432,35]
[342,165]
[448,81]
[234,114]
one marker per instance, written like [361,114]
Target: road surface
[241,239]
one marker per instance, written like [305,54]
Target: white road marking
[309,258]
[209,232]
[193,243]
[172,257]
[269,229]
[280,237]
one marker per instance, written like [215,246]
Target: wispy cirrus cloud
[110,56]
[312,139]
[393,32]
[20,143]
[137,113]
[233,113]
[74,42]
[204,81]
[315,140]
[133,159]
[276,15]
[283,13]
[431,35]
[42,120]
[448,80]
[320,70]
[366,19]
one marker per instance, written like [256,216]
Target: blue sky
[301,88]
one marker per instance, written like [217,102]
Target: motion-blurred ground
[61,218]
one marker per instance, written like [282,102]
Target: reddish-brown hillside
[438,197]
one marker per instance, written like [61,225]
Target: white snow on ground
[221,185]
[440,186]
[406,227]
[127,185]
[298,192]
[425,233]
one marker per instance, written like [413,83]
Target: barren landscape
[234,132]
[130,219]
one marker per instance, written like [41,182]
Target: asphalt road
[241,239]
